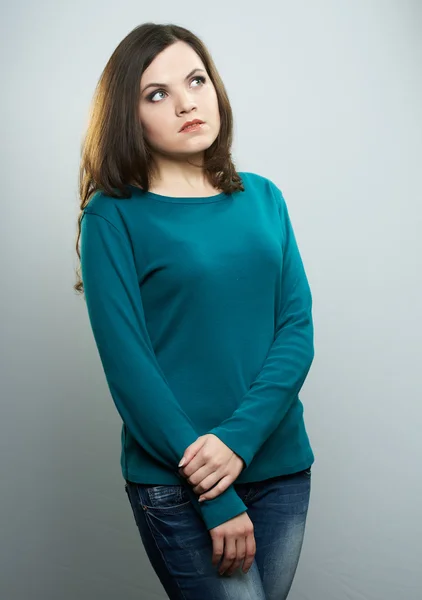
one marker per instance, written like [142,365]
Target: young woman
[202,315]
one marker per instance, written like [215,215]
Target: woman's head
[126,131]
[176,88]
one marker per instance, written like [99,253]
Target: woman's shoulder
[259,183]
[107,206]
[255,178]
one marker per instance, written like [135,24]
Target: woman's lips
[192,128]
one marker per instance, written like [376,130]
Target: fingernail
[182,462]
[201,499]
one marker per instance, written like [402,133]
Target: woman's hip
[179,546]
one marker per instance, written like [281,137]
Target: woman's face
[165,108]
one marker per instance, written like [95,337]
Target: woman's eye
[152,96]
[201,79]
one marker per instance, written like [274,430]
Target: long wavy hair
[114,151]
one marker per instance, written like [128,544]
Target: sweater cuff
[224,507]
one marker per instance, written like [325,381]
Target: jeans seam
[175,580]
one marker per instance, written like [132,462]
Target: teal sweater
[202,315]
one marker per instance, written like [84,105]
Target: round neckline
[182,199]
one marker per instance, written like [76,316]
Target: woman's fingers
[240,555]
[250,547]
[234,542]
[230,554]
[218,489]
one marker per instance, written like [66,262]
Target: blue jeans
[179,546]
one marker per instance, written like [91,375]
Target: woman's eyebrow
[165,85]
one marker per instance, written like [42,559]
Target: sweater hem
[244,477]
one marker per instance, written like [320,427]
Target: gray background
[327,98]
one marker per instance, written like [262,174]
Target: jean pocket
[307,472]
[168,498]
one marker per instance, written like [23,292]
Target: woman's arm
[137,384]
[288,361]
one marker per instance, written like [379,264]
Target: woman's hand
[208,461]
[233,543]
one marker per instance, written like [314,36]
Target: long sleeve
[137,384]
[288,361]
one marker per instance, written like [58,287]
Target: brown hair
[114,152]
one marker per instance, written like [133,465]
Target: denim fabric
[179,546]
